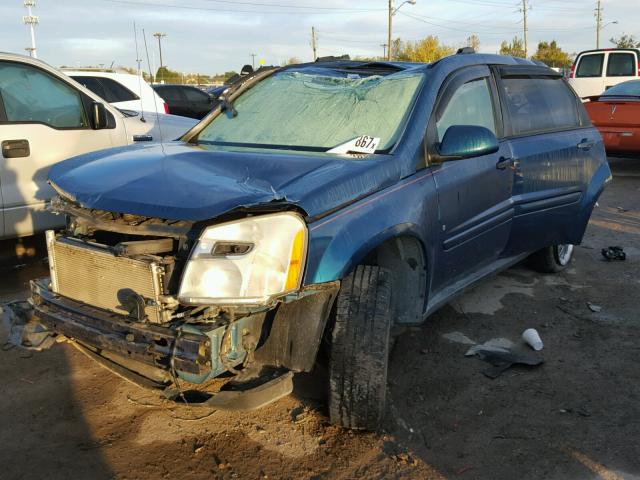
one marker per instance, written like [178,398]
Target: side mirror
[99,119]
[465,141]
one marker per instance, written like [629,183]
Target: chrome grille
[93,275]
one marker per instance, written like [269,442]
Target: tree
[168,76]
[552,55]
[625,41]
[427,50]
[474,42]
[293,61]
[513,49]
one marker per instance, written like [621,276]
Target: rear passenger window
[538,104]
[621,65]
[117,92]
[470,105]
[590,65]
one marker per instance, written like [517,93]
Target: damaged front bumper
[282,340]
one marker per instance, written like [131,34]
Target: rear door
[588,76]
[43,120]
[474,194]
[552,143]
[621,66]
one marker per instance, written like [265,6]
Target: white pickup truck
[594,71]
[46,117]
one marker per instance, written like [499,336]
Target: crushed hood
[179,181]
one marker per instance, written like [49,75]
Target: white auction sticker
[361,144]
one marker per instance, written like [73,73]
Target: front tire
[360,349]
[553,259]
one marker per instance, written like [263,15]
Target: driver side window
[470,105]
[31,95]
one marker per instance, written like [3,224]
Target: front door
[43,120]
[474,194]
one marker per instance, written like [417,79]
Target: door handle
[15,148]
[585,144]
[503,163]
[142,138]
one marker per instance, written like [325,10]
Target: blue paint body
[470,217]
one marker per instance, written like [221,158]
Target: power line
[317,10]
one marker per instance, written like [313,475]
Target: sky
[213,36]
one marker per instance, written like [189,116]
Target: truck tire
[552,259]
[360,349]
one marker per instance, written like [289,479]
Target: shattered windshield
[317,109]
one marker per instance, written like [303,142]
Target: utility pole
[253,60]
[392,12]
[524,10]
[598,22]
[313,43]
[159,36]
[384,50]
[32,21]
[389,30]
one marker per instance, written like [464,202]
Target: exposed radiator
[93,275]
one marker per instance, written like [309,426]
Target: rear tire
[552,259]
[360,349]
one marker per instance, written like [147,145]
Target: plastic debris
[23,332]
[532,338]
[593,307]
[501,358]
[614,253]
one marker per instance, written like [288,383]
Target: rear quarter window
[539,104]
[590,65]
[621,65]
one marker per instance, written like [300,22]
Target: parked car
[616,113]
[594,71]
[215,92]
[319,205]
[186,100]
[122,90]
[46,117]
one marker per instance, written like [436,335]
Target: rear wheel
[552,259]
[360,349]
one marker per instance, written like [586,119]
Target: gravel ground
[577,416]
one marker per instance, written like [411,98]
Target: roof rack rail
[332,58]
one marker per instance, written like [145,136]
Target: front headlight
[246,261]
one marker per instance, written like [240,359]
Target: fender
[599,180]
[338,242]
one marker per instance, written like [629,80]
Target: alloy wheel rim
[565,250]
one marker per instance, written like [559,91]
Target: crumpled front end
[167,302]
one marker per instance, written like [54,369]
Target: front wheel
[552,259]
[360,349]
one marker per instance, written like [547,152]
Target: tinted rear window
[590,65]
[539,104]
[116,91]
[108,89]
[170,94]
[621,65]
[631,88]
[195,95]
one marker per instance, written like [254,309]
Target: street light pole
[392,12]
[159,36]
[32,21]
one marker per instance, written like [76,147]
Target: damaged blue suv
[314,208]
